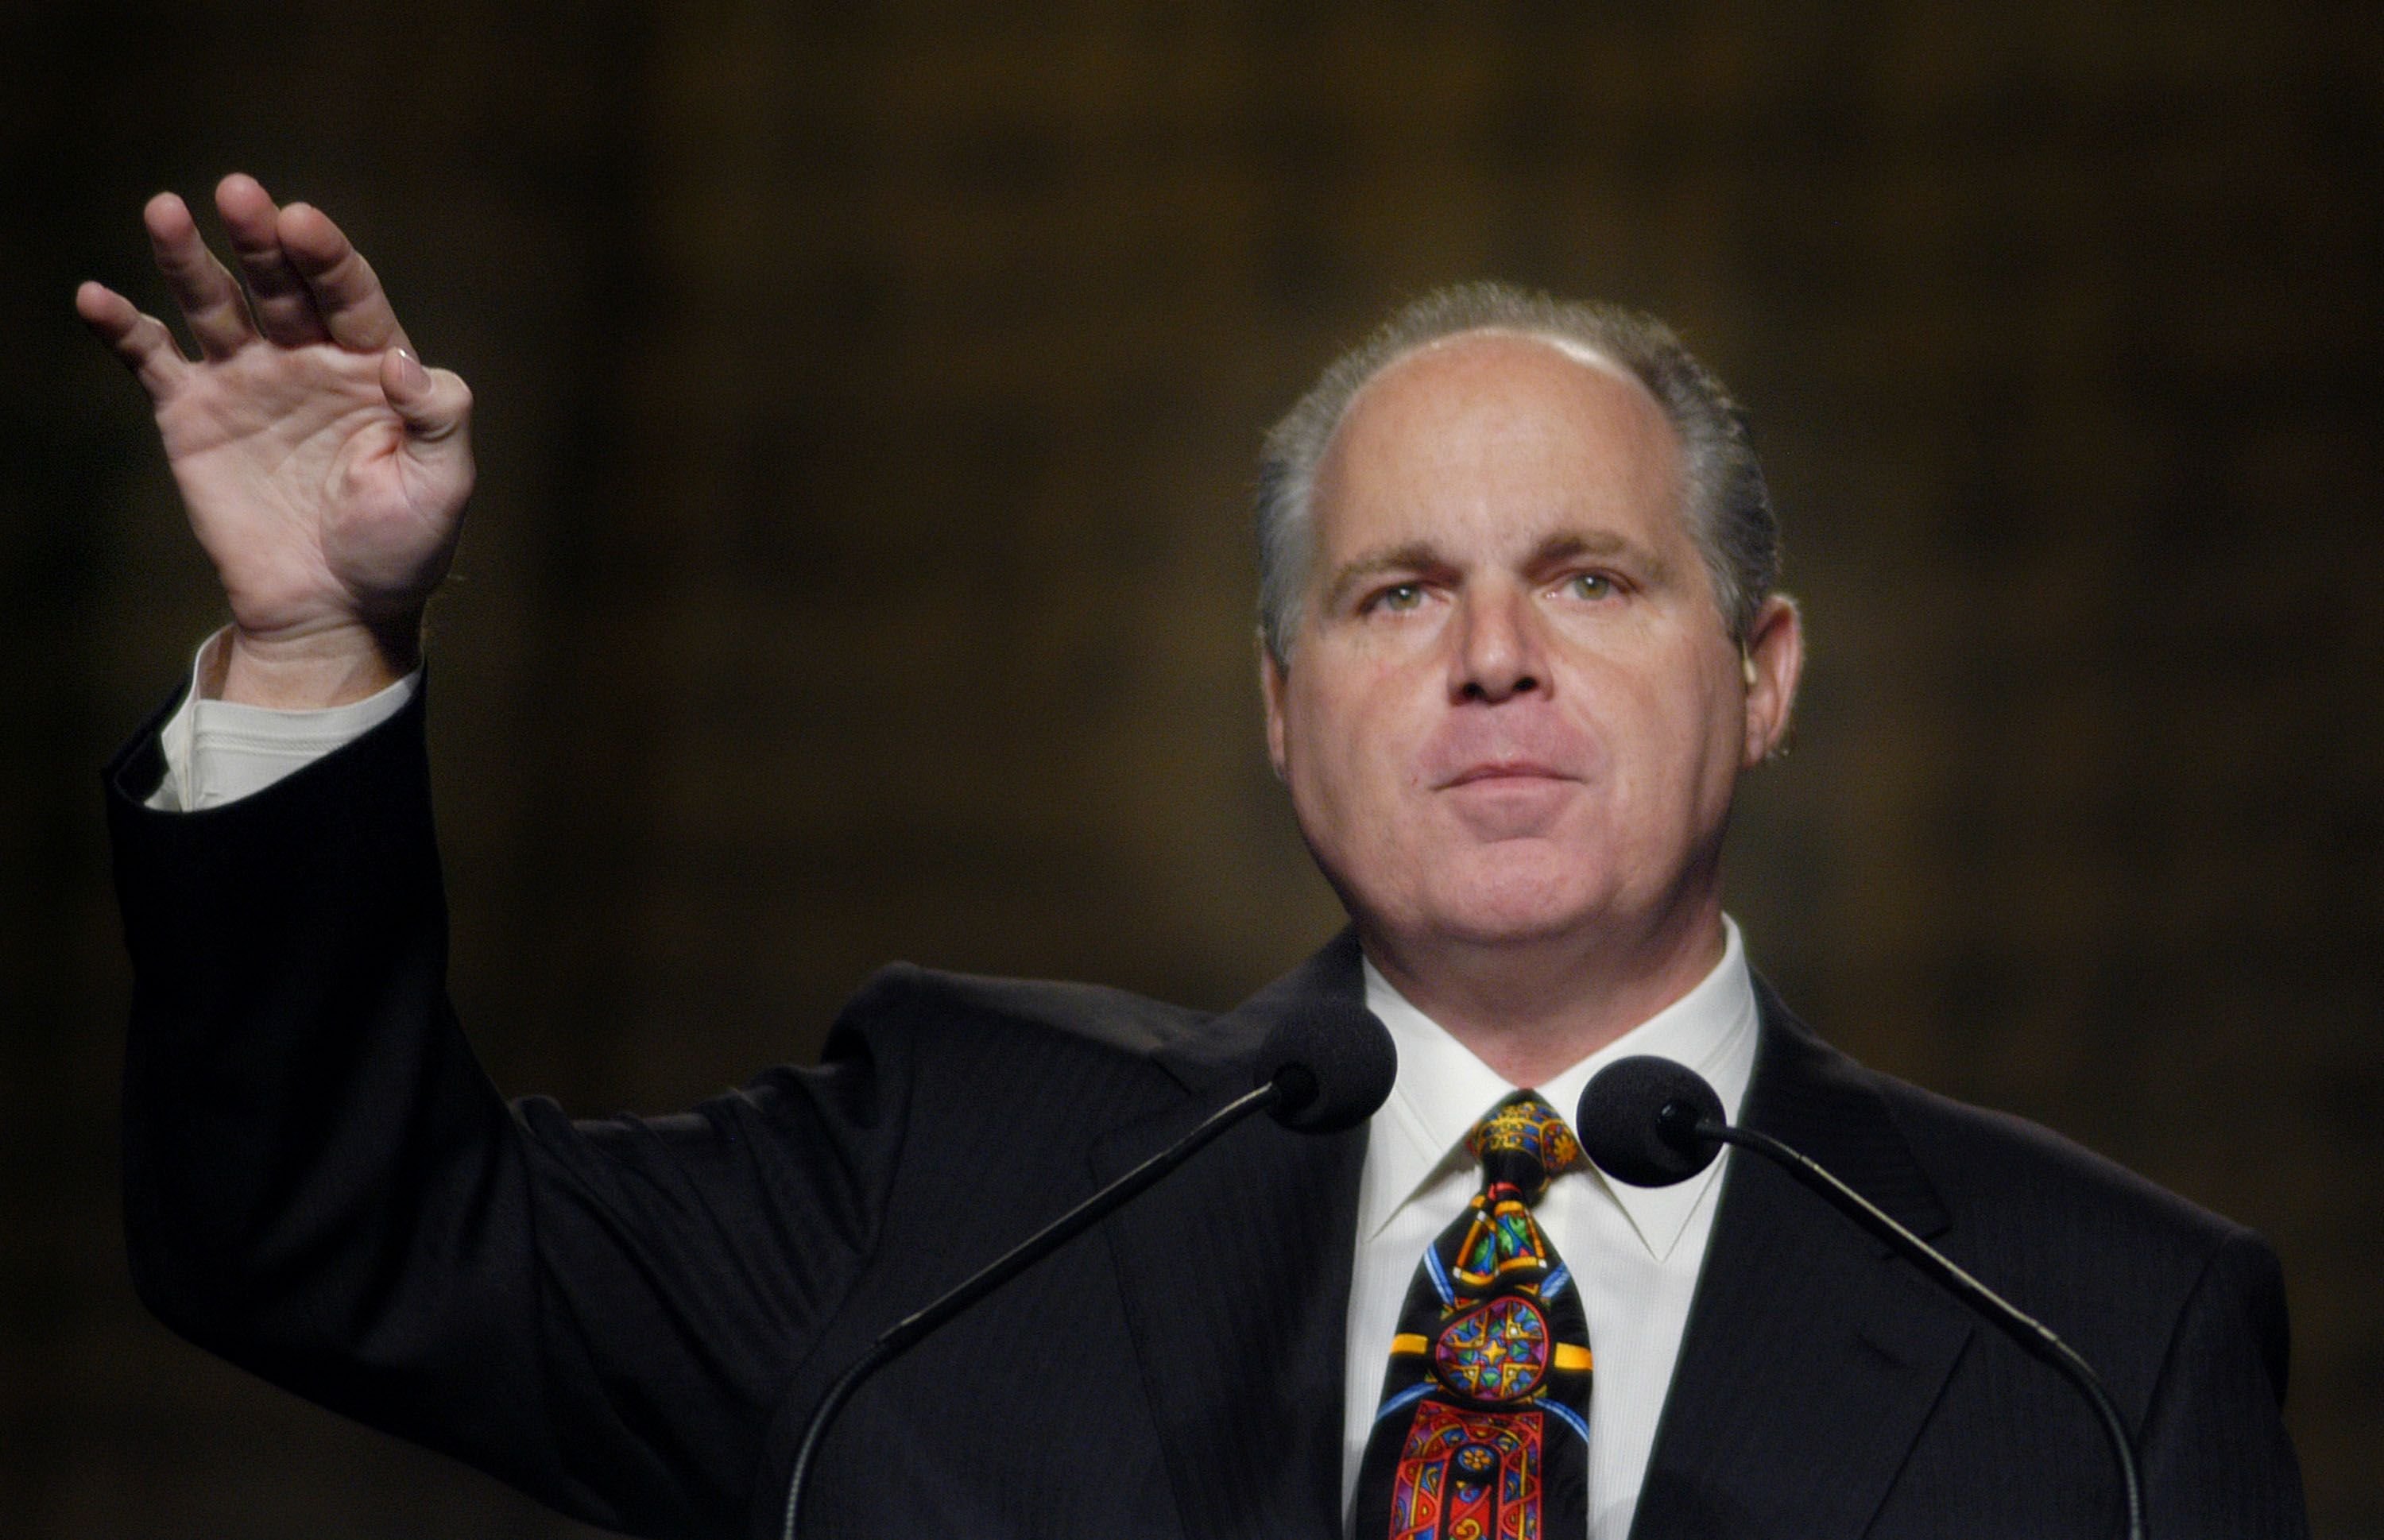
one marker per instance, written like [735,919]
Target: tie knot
[1522,1143]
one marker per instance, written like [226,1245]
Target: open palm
[324,469]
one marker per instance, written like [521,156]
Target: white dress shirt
[1634,1251]
[218,751]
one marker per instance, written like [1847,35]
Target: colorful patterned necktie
[1484,1430]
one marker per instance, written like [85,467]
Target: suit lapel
[1235,1273]
[1812,1357]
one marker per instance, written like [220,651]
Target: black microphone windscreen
[1334,1063]
[1621,1130]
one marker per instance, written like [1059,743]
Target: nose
[1498,648]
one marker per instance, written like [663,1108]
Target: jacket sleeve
[2217,1462]
[321,1185]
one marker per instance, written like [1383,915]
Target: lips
[1513,748]
[1493,771]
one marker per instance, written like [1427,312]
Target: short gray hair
[1726,500]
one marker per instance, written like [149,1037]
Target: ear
[1272,684]
[1775,657]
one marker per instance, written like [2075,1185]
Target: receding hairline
[1723,496]
[1569,349]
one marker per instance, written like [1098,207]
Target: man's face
[1513,712]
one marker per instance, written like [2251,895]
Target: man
[1520,642]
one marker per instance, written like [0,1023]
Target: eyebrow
[1572,544]
[1412,556]
[1423,557]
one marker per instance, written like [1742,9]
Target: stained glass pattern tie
[1483,1429]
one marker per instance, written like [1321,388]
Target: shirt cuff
[217,752]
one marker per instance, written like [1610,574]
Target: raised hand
[323,467]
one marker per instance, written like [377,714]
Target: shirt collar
[1416,1138]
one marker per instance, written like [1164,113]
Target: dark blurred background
[869,403]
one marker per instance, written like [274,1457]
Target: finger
[435,403]
[143,341]
[284,305]
[211,303]
[347,297]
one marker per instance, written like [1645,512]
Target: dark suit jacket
[631,1318]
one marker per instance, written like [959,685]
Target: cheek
[1351,750]
[1679,734]
[1342,725]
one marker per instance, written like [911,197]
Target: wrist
[332,665]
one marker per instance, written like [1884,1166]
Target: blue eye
[1405,596]
[1589,585]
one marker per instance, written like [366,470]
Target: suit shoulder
[954,1009]
[1995,1168]
[2142,1281]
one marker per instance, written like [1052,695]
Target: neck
[1532,1010]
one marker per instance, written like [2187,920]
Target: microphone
[1329,1069]
[1650,1122]
[1319,1073]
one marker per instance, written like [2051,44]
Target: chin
[1516,899]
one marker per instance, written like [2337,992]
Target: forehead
[1496,436]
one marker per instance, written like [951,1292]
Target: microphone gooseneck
[1320,1072]
[1650,1122]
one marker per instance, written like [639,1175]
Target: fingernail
[410,370]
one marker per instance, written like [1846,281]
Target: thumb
[435,403]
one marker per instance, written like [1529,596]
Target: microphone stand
[906,1331]
[1678,1122]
